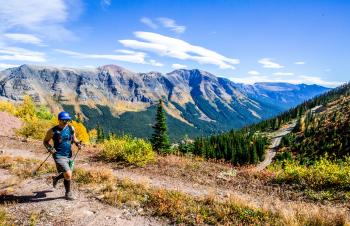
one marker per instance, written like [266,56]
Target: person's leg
[60,169]
[67,184]
[55,179]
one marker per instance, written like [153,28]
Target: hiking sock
[56,179]
[67,185]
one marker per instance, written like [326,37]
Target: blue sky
[245,41]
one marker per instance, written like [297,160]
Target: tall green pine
[160,137]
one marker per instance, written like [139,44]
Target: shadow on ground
[38,196]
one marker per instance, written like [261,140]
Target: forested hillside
[319,133]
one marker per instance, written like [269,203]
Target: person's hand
[79,145]
[51,150]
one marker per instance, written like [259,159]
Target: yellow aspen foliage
[81,132]
[7,106]
[93,135]
[35,128]
[26,109]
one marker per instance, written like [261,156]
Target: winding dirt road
[275,142]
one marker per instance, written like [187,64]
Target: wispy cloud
[24,38]
[283,73]
[147,21]
[171,24]
[268,63]
[5,66]
[299,62]
[20,54]
[126,56]
[294,80]
[38,16]
[106,2]
[179,49]
[317,80]
[253,72]
[178,66]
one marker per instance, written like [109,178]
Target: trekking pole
[36,170]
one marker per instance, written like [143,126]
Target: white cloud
[267,63]
[253,72]
[178,66]
[170,23]
[126,56]
[299,62]
[283,73]
[24,38]
[179,49]
[20,54]
[155,63]
[38,16]
[295,80]
[147,21]
[317,80]
[106,2]
[5,66]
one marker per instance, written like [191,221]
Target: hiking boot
[69,196]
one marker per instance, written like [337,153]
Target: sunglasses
[65,120]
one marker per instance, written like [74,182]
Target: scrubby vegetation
[38,119]
[134,151]
[176,206]
[323,173]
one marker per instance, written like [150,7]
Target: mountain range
[121,101]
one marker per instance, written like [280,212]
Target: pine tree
[100,134]
[160,138]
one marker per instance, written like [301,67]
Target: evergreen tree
[100,134]
[160,138]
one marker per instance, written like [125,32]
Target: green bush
[130,150]
[44,113]
[323,173]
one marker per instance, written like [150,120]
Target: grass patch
[323,174]
[129,150]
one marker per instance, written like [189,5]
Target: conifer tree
[160,138]
[100,134]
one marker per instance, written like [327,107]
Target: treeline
[238,147]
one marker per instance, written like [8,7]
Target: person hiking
[63,137]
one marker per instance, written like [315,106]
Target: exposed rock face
[194,96]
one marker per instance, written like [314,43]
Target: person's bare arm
[46,142]
[75,139]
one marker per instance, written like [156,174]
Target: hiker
[63,137]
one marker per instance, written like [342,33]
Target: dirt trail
[37,197]
[244,190]
[276,140]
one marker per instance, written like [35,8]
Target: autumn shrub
[35,128]
[81,132]
[7,106]
[134,151]
[44,113]
[27,108]
[323,173]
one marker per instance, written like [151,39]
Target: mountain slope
[197,102]
[324,128]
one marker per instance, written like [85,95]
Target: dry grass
[182,208]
